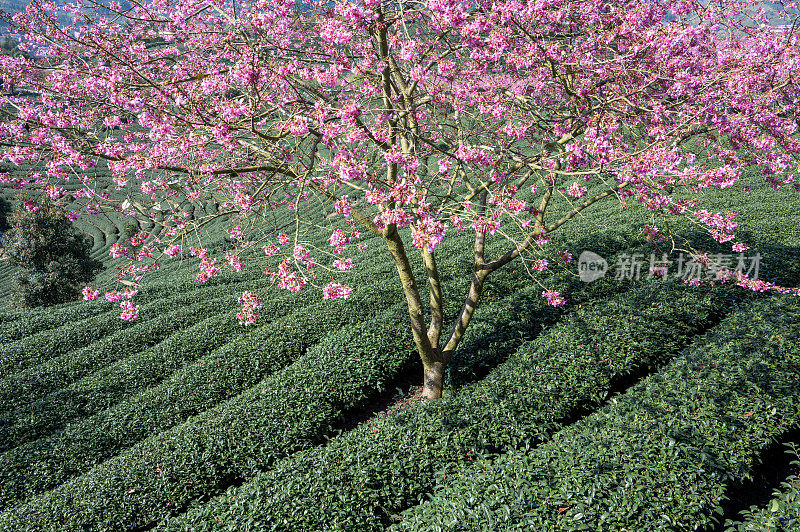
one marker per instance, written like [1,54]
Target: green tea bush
[359,480]
[38,348]
[128,376]
[50,332]
[781,514]
[293,409]
[661,456]
[72,364]
[222,374]
[48,318]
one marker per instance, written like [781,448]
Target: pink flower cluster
[129,311]
[576,190]
[117,250]
[90,294]
[721,227]
[343,264]
[250,303]
[651,233]
[338,239]
[113,296]
[428,233]
[554,298]
[336,291]
[207,269]
[341,206]
[481,225]
[234,261]
[287,279]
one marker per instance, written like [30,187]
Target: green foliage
[51,256]
[218,376]
[780,514]
[42,320]
[70,364]
[661,456]
[292,409]
[384,466]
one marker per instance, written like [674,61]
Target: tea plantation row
[360,480]
[661,456]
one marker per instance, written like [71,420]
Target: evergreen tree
[51,256]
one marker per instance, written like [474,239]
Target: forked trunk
[433,380]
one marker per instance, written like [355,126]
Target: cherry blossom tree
[410,119]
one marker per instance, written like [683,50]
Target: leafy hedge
[780,514]
[360,479]
[43,319]
[126,377]
[660,456]
[294,408]
[70,364]
[220,375]
[71,333]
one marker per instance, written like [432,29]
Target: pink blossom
[540,265]
[554,298]
[117,250]
[651,233]
[113,296]
[173,250]
[300,252]
[343,264]
[481,225]
[250,303]
[576,190]
[542,239]
[234,261]
[336,291]
[208,269]
[338,238]
[129,311]
[341,206]
[89,294]
[565,255]
[291,282]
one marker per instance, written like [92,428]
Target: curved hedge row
[661,456]
[126,377]
[222,374]
[361,479]
[37,349]
[42,320]
[292,409]
[29,385]
[99,322]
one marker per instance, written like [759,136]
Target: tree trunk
[433,380]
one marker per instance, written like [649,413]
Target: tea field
[643,404]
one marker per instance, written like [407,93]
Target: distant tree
[5,209]
[51,256]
